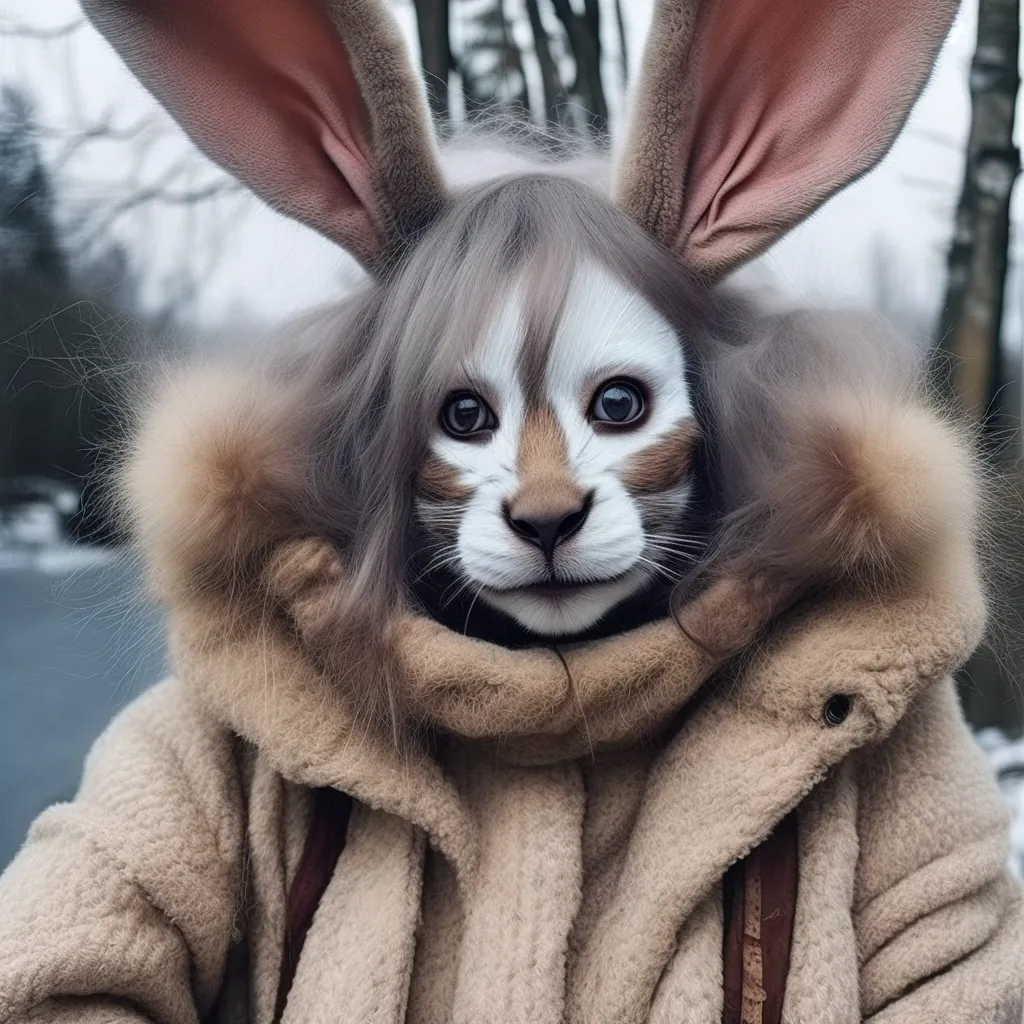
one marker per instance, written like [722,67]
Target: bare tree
[970,335]
[620,23]
[584,32]
[555,95]
[970,354]
[433,27]
[160,170]
[490,64]
[490,61]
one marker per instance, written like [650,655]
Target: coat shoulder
[166,754]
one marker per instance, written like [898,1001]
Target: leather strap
[324,843]
[760,907]
[759,896]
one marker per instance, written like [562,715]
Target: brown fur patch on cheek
[441,496]
[665,464]
[439,482]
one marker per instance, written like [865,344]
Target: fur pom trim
[833,461]
[211,477]
[858,484]
[870,490]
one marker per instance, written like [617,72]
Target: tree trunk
[554,93]
[512,66]
[620,22]
[584,32]
[432,24]
[971,320]
[970,360]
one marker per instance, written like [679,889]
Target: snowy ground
[32,537]
[58,560]
[1007,758]
[78,641]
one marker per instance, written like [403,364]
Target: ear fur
[312,103]
[749,114]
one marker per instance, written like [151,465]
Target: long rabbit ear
[751,113]
[312,103]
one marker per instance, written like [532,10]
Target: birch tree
[971,359]
[970,335]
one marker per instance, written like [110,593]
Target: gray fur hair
[371,395]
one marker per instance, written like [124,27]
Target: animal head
[518,387]
[557,462]
[560,458]
[536,364]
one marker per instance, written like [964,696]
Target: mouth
[560,607]
[551,590]
[554,589]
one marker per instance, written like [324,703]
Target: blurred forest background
[120,244]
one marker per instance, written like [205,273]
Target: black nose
[550,531]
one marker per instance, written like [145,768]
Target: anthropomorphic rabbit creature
[556,638]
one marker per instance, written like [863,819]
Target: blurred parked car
[36,512]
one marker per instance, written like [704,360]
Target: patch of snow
[56,559]
[34,529]
[1007,759]
[36,524]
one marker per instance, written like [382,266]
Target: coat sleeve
[120,905]
[938,914]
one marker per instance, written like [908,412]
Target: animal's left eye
[618,402]
[466,414]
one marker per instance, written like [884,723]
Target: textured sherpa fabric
[556,854]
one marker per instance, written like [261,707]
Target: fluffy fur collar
[249,599]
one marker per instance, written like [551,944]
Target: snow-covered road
[77,641]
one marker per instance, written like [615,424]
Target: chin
[566,610]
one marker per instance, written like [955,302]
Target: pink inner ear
[796,99]
[266,88]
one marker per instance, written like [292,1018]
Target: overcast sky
[271,268]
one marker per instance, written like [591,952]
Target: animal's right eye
[465,414]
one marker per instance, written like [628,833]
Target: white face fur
[551,495]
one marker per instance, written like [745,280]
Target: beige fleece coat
[558,857]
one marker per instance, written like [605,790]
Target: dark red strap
[760,907]
[759,894]
[324,843]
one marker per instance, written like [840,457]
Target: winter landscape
[121,246]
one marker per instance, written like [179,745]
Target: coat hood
[888,485]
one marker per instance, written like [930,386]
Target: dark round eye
[617,402]
[465,414]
